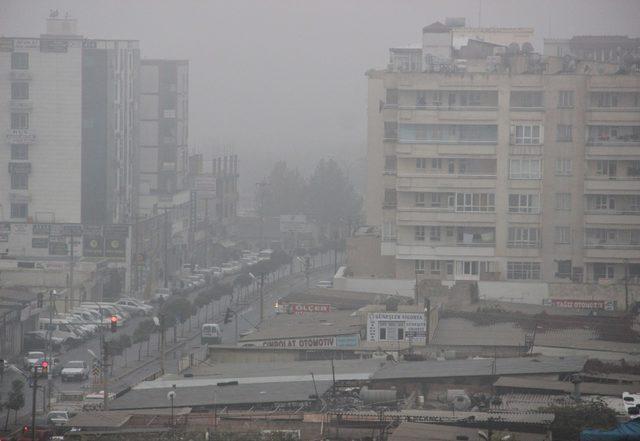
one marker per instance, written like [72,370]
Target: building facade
[505,167]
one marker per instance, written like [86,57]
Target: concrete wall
[400,287]
[364,259]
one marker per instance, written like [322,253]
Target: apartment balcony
[612,185]
[612,218]
[613,115]
[526,150]
[609,252]
[407,216]
[438,114]
[613,151]
[437,252]
[405,150]
[21,136]
[20,75]
[20,105]
[439,182]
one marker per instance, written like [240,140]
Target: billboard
[607,305]
[306,342]
[301,308]
[397,326]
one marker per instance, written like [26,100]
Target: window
[565,99]
[19,210]
[603,271]
[478,202]
[419,233]
[19,121]
[436,200]
[467,268]
[523,270]
[520,237]
[603,202]
[563,167]
[563,201]
[419,266]
[19,91]
[525,169]
[604,99]
[392,97]
[451,167]
[524,203]
[564,133]
[450,231]
[421,98]
[19,60]
[19,152]
[390,130]
[388,231]
[527,135]
[390,199]
[382,333]
[420,197]
[526,99]
[389,164]
[449,267]
[400,333]
[19,181]
[563,234]
[421,163]
[434,266]
[434,234]
[564,269]
[436,163]
[606,168]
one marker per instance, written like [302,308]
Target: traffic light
[25,429]
[114,323]
[227,316]
[45,367]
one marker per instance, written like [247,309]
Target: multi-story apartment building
[163,132]
[504,165]
[69,120]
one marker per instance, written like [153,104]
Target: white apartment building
[69,128]
[503,165]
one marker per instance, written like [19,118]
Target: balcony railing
[613,109]
[20,136]
[20,75]
[612,246]
[614,141]
[445,141]
[628,211]
[448,108]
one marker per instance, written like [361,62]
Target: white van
[211,334]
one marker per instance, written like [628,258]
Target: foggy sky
[284,79]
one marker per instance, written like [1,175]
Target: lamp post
[53,293]
[171,396]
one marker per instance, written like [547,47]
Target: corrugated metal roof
[461,332]
[560,386]
[438,432]
[445,416]
[480,367]
[221,395]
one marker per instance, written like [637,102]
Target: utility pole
[165,257]
[261,296]
[162,342]
[72,262]
[50,372]
[105,379]
[261,189]
[626,285]
[335,252]
[34,385]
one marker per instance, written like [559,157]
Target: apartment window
[563,234]
[564,133]
[419,266]
[523,270]
[19,210]
[436,200]
[527,135]
[526,99]
[419,233]
[450,231]
[388,231]
[606,168]
[522,237]
[434,266]
[19,91]
[420,198]
[19,152]
[604,99]
[434,234]
[19,60]
[421,98]
[565,99]
[603,271]
[390,130]
[564,269]
[524,203]
[19,121]
[19,181]
[421,163]
[468,268]
[563,201]
[392,97]
[603,202]
[436,163]
[563,167]
[390,164]
[525,168]
[451,166]
[449,266]
[390,197]
[476,202]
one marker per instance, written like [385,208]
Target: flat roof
[338,299]
[480,367]
[242,394]
[557,386]
[437,432]
[446,416]
[462,332]
[306,325]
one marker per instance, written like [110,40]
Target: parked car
[58,417]
[39,341]
[134,307]
[75,370]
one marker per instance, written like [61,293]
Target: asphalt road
[141,364]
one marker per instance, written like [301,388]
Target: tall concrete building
[164,128]
[487,161]
[70,125]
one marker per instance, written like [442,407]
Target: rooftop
[284,326]
[338,299]
[480,367]
[461,332]
[437,432]
[556,386]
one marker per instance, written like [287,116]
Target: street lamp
[171,396]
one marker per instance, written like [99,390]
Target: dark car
[39,341]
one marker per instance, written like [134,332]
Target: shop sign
[607,305]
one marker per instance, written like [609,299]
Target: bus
[211,334]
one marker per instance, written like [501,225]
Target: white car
[58,417]
[132,306]
[75,370]
[32,358]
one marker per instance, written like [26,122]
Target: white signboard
[334,341]
[397,326]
